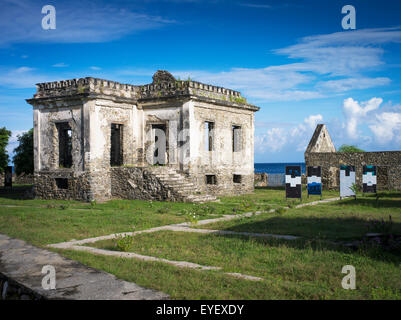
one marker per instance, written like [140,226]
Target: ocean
[274,168]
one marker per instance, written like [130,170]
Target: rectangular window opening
[64,145]
[236,138]
[211,179]
[209,132]
[116,140]
[237,178]
[62,183]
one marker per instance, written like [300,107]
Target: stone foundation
[225,185]
[139,183]
[78,187]
[23,179]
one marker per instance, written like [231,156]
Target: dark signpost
[314,181]
[369,179]
[8,176]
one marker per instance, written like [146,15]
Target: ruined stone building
[321,152]
[175,140]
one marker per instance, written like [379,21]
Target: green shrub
[123,243]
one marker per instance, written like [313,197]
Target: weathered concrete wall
[222,161]
[169,113]
[48,116]
[388,162]
[102,113]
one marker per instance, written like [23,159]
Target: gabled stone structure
[321,152]
[321,141]
[96,139]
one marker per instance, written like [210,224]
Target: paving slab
[23,263]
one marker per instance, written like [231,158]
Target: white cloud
[95,68]
[342,54]
[60,65]
[291,138]
[348,84]
[261,84]
[272,141]
[76,22]
[387,128]
[313,120]
[256,5]
[22,77]
[355,112]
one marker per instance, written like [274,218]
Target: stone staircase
[182,186]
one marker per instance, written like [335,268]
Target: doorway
[160,144]
[116,150]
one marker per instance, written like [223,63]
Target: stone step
[183,186]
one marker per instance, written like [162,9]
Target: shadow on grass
[318,245]
[270,188]
[17,192]
[372,202]
[351,228]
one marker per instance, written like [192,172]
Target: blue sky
[291,58]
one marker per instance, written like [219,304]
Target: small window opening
[209,131]
[61,183]
[211,179]
[237,178]
[236,138]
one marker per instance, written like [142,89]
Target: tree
[4,136]
[23,158]
[348,148]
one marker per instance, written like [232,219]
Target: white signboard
[347,179]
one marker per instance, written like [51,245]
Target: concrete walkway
[23,263]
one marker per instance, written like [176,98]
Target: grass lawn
[339,220]
[291,269]
[43,222]
[309,268]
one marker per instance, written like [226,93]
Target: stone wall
[139,183]
[388,163]
[225,186]
[12,290]
[81,112]
[78,186]
[23,179]
[261,179]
